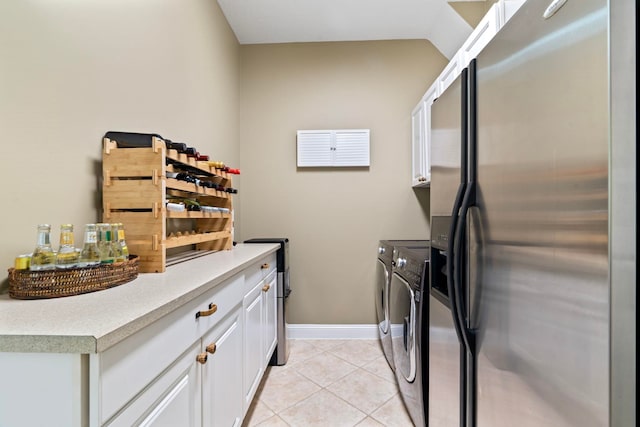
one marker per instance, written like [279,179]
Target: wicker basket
[27,284]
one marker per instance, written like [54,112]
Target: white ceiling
[291,21]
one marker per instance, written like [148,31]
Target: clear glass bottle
[122,241]
[115,244]
[104,243]
[43,256]
[67,256]
[90,254]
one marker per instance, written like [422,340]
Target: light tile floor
[329,383]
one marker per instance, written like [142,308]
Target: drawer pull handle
[202,358]
[266,288]
[211,348]
[264,266]
[212,309]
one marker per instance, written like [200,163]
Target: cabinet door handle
[212,309]
[202,358]
[211,348]
[264,266]
[266,288]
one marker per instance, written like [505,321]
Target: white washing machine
[409,328]
[384,267]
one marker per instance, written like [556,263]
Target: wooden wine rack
[135,191]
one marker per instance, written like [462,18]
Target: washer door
[402,315]
[382,296]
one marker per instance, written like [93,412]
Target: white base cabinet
[259,307]
[252,343]
[189,368]
[52,390]
[269,302]
[222,400]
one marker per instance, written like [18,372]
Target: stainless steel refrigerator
[533,225]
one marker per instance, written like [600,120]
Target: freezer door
[446,136]
[543,296]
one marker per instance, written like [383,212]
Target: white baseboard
[332,332]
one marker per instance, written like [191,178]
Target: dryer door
[402,315]
[382,295]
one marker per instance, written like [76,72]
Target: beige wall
[472,11]
[72,70]
[334,217]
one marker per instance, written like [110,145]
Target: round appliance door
[402,315]
[382,291]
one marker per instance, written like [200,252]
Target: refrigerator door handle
[460,268]
[451,254]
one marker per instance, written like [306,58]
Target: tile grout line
[319,351]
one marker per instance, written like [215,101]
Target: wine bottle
[216,164]
[180,147]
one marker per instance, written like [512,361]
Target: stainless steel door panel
[383,277]
[382,292]
[402,326]
[444,367]
[446,137]
[543,197]
[282,349]
[284,287]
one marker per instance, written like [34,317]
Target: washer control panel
[411,264]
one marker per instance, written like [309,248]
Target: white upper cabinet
[500,12]
[507,8]
[421,123]
[333,148]
[480,37]
[418,145]
[486,30]
[449,74]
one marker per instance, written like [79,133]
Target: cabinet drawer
[259,270]
[172,400]
[134,363]
[225,299]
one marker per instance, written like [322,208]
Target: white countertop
[93,322]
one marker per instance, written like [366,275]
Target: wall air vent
[333,148]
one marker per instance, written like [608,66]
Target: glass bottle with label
[104,243]
[122,241]
[90,254]
[115,244]
[67,256]
[43,257]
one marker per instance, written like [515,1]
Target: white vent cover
[329,148]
